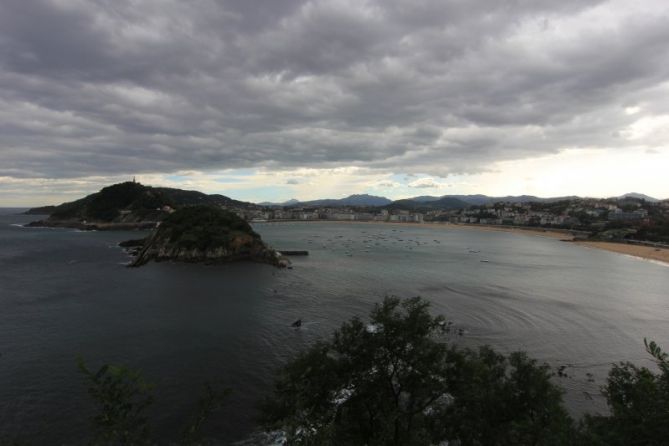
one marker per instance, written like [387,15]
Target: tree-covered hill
[134,202]
[205,234]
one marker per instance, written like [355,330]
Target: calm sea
[65,294]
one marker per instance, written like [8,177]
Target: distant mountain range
[290,202]
[351,200]
[445,202]
[144,200]
[478,200]
[434,202]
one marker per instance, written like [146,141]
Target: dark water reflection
[66,293]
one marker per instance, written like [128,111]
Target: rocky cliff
[205,234]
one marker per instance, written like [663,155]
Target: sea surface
[66,294]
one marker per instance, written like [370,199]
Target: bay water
[66,294]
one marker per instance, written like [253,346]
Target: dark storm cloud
[108,87]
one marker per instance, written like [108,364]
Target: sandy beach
[645,252]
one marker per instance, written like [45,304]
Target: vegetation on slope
[203,227]
[638,399]
[132,201]
[43,210]
[123,398]
[395,380]
[441,203]
[205,234]
[106,205]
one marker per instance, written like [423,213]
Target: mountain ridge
[352,200]
[429,202]
[160,196]
[479,199]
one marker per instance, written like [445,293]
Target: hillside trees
[638,399]
[394,381]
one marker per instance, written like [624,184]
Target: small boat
[485,261]
[297,323]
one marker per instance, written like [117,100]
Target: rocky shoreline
[93,226]
[186,226]
[154,248]
[202,234]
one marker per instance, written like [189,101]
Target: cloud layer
[437,87]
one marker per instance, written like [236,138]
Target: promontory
[186,226]
[128,205]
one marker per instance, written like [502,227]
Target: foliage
[661,357]
[203,227]
[554,207]
[639,403]
[143,201]
[123,398]
[208,404]
[394,382]
[657,230]
[106,204]
[500,400]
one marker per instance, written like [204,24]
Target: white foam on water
[274,438]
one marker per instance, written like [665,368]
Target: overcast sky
[269,100]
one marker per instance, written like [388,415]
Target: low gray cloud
[430,86]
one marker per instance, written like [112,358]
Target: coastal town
[609,219]
[635,224]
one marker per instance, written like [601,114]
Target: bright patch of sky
[601,173]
